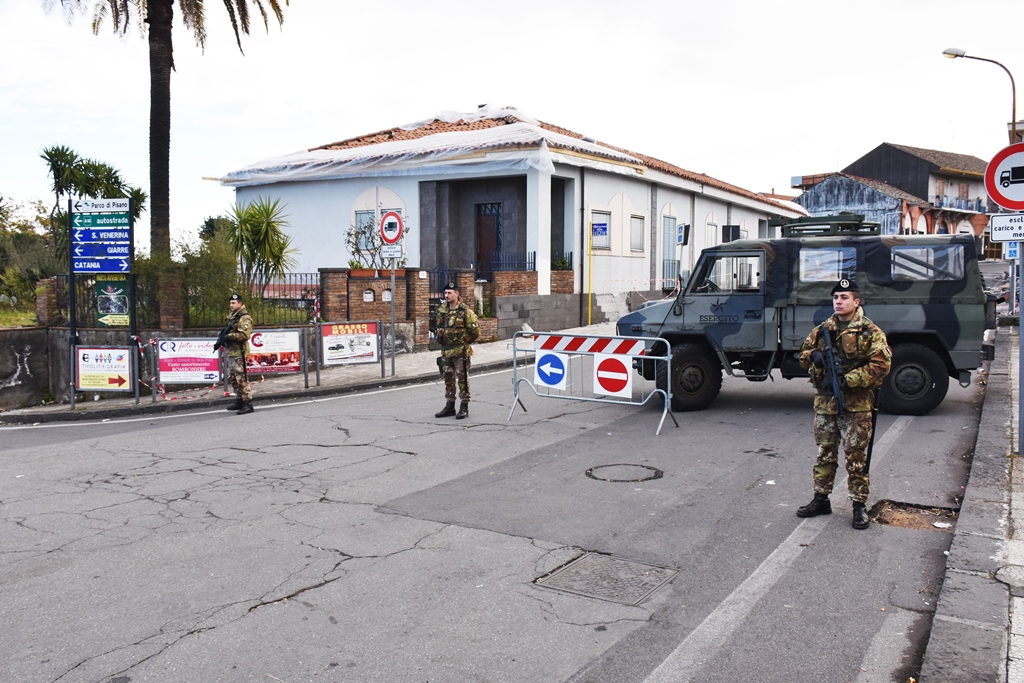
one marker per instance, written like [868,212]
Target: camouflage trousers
[237,379]
[456,371]
[856,437]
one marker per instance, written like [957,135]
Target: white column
[538,225]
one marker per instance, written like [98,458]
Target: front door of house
[488,230]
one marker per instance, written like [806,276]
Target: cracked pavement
[210,548]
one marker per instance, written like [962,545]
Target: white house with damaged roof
[496,190]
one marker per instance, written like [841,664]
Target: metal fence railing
[293,299]
[513,260]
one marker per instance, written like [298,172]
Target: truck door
[726,300]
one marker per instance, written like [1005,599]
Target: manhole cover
[622,472]
[608,578]
[910,516]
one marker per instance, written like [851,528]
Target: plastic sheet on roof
[487,111]
[517,145]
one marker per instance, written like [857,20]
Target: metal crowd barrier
[564,363]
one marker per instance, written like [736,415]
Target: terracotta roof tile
[946,160]
[439,126]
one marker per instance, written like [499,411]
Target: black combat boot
[447,411]
[819,506]
[236,404]
[245,409]
[860,516]
[463,410]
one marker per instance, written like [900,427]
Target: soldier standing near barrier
[457,328]
[862,352]
[239,329]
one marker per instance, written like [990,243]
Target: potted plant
[357,268]
[366,246]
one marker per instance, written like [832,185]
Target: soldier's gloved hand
[818,358]
[843,384]
[441,336]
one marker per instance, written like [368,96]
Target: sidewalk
[409,368]
[974,637]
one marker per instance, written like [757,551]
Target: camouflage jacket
[457,328]
[864,355]
[241,329]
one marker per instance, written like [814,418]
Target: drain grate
[608,578]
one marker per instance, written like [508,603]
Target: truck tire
[696,377]
[917,382]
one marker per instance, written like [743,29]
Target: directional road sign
[611,376]
[114,235]
[100,265]
[550,370]
[92,220]
[104,249]
[100,205]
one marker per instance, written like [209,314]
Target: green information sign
[99,220]
[112,308]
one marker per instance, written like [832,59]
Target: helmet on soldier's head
[846,285]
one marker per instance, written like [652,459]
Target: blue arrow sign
[114,235]
[100,265]
[551,370]
[104,249]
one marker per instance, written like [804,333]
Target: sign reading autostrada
[101,235]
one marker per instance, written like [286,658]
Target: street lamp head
[954,52]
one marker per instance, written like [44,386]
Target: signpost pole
[73,335]
[1020,377]
[394,263]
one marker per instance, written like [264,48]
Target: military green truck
[751,303]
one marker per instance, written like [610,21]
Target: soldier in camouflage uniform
[457,328]
[240,325]
[863,352]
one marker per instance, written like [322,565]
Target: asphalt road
[358,538]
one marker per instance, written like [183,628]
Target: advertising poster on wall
[112,300]
[187,361]
[348,343]
[276,351]
[103,369]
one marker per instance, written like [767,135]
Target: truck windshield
[726,272]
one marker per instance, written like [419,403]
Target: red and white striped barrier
[575,344]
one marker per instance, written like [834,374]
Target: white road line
[687,659]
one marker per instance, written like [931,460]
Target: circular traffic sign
[551,370]
[613,375]
[1004,177]
[391,227]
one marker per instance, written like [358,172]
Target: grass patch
[12,318]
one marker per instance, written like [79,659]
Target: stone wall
[541,313]
[24,367]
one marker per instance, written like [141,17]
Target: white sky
[748,91]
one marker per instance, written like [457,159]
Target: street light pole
[953,53]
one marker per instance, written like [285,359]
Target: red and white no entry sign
[391,227]
[611,376]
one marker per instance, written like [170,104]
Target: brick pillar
[172,303]
[466,280]
[334,294]
[419,305]
[46,302]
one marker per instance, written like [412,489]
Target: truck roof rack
[845,223]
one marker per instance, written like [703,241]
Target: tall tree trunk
[160,15]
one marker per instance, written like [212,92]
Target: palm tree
[257,237]
[156,18]
[73,175]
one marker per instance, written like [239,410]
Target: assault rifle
[834,373]
[222,338]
